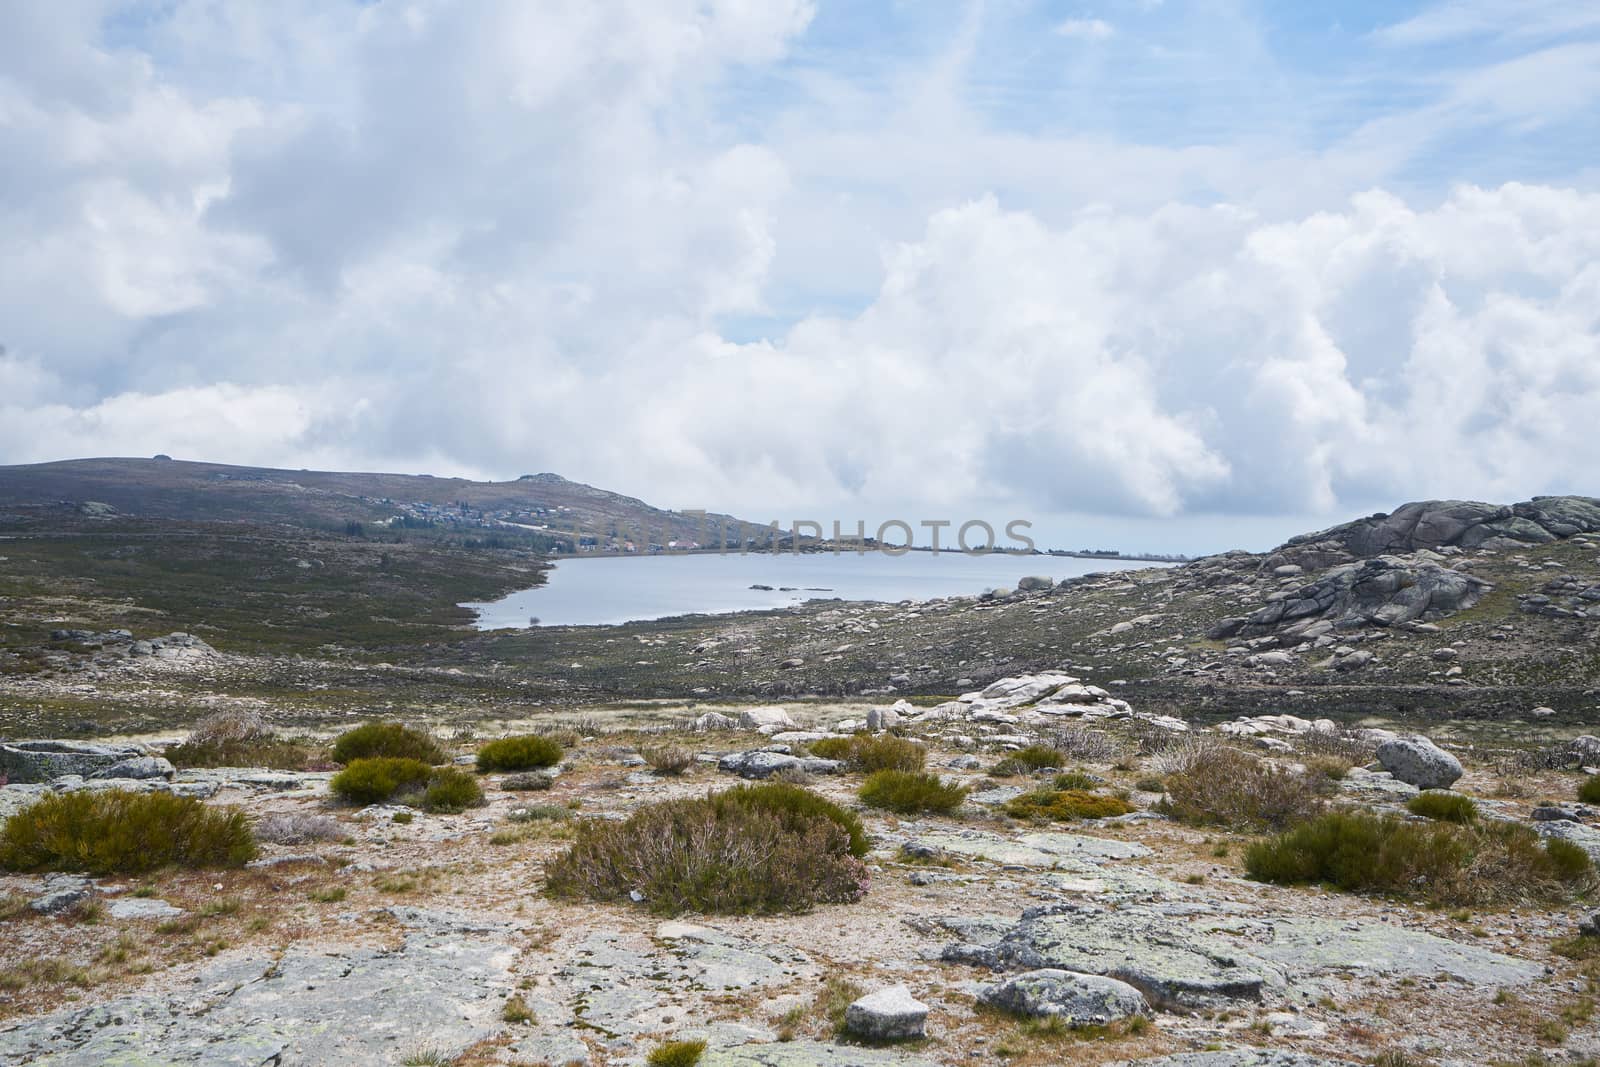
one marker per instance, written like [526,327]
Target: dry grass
[1222,786]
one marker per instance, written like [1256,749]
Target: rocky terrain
[363,938]
[386,935]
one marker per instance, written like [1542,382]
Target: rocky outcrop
[761,763]
[1436,524]
[1385,591]
[1035,699]
[1076,999]
[44,761]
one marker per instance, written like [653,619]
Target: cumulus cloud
[487,241]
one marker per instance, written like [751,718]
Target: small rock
[891,1014]
[142,908]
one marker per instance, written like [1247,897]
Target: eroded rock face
[1385,591]
[1418,761]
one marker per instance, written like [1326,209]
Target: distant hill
[162,488]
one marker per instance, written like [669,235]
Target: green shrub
[677,1053]
[1077,780]
[1476,863]
[373,781]
[700,855]
[1443,805]
[794,804]
[1589,789]
[118,832]
[1222,786]
[868,753]
[1030,759]
[909,792]
[522,753]
[1065,805]
[450,790]
[394,740]
[831,748]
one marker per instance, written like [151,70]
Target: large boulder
[1078,999]
[891,1014]
[761,763]
[44,761]
[1417,761]
[1034,582]
[767,718]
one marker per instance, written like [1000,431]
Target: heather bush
[373,781]
[794,804]
[1030,759]
[1065,805]
[394,740]
[1480,863]
[120,832]
[237,739]
[297,828]
[869,753]
[532,781]
[702,855]
[525,752]
[1443,805]
[1589,790]
[450,791]
[909,792]
[1225,787]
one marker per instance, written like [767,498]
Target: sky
[1165,274]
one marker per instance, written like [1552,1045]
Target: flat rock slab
[142,908]
[1208,963]
[629,985]
[1311,946]
[1045,850]
[348,1008]
[808,1054]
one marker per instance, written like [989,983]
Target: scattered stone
[61,891]
[891,1014]
[142,908]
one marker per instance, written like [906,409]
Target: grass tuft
[676,1054]
[1443,805]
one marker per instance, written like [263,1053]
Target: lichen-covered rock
[760,763]
[44,761]
[1079,999]
[1417,761]
[891,1014]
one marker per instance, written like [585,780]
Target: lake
[615,589]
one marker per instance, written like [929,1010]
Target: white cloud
[1086,29]
[486,242]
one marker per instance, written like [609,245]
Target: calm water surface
[617,589]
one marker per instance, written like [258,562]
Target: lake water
[614,589]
